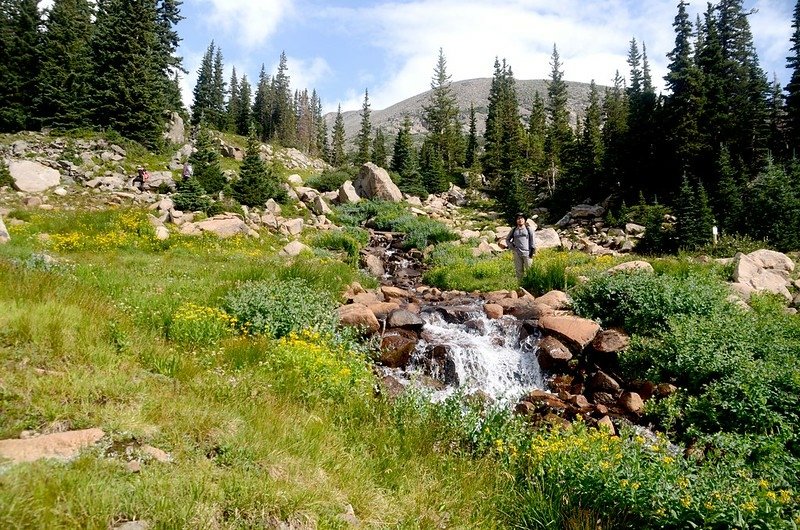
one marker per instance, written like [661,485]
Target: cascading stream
[481,356]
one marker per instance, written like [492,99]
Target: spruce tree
[471,155]
[338,156]
[559,134]
[504,135]
[262,105]
[20,63]
[776,118]
[590,151]
[203,93]
[127,89]
[405,163]
[322,145]
[364,138]
[615,131]
[206,164]
[379,149]
[191,197]
[537,134]
[218,116]
[64,76]
[440,117]
[167,17]
[234,103]
[431,168]
[282,123]
[245,118]
[793,87]
[256,183]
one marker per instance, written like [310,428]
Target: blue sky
[342,47]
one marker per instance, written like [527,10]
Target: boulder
[610,341]
[525,308]
[557,300]
[381,310]
[162,234]
[292,227]
[158,179]
[401,318]
[374,265]
[273,207]
[224,226]
[633,229]
[606,424]
[4,235]
[62,445]
[602,382]
[295,180]
[358,315]
[547,238]
[114,182]
[583,211]
[632,402]
[493,311]
[373,182]
[176,130]
[397,345]
[574,331]
[347,193]
[33,177]
[749,271]
[394,293]
[295,248]
[320,207]
[631,266]
[552,354]
[769,259]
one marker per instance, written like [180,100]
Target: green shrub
[643,302]
[330,180]
[191,197]
[728,245]
[276,308]
[549,271]
[199,326]
[350,240]
[5,175]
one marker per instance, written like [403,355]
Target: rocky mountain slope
[470,91]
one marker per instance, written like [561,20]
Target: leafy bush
[350,240]
[728,245]
[330,180]
[548,271]
[199,326]
[276,308]
[643,302]
[420,231]
[455,268]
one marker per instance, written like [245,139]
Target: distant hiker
[188,171]
[141,177]
[522,243]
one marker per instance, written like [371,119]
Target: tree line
[79,64]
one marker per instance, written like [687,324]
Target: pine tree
[471,156]
[338,155]
[203,104]
[322,146]
[245,119]
[256,183]
[793,87]
[167,17]
[191,197]
[559,134]
[364,138]
[503,137]
[440,117]
[431,168]
[379,149]
[728,203]
[64,76]
[615,131]
[262,105]
[20,63]
[127,89]
[234,102]
[537,134]
[306,135]
[282,125]
[590,152]
[218,116]
[776,118]
[206,164]
[405,163]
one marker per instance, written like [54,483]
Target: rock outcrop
[33,177]
[375,183]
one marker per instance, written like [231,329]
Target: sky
[340,48]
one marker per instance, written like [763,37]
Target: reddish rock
[494,297]
[62,445]
[579,400]
[359,315]
[601,409]
[394,294]
[413,308]
[557,300]
[381,310]
[666,389]
[604,398]
[610,341]
[524,308]
[575,332]
[606,423]
[402,318]
[552,354]
[493,311]
[632,402]
[602,382]
[526,408]
[545,398]
[365,298]
[397,346]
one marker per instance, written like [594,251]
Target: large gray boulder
[33,177]
[764,270]
[223,225]
[176,130]
[4,236]
[373,182]
[347,193]
[547,238]
[159,178]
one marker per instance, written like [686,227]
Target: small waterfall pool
[473,354]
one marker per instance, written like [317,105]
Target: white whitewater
[486,356]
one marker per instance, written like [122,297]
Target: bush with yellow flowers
[200,326]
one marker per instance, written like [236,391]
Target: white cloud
[305,73]
[592,38]
[252,21]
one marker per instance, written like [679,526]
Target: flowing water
[478,356]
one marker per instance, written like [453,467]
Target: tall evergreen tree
[559,134]
[793,87]
[776,118]
[471,155]
[203,93]
[440,117]
[615,132]
[233,104]
[590,152]
[503,137]
[364,138]
[128,79]
[245,119]
[218,116]
[168,15]
[262,105]
[282,125]
[205,163]
[536,138]
[379,149]
[338,154]
[431,167]
[64,76]
[20,63]
[405,163]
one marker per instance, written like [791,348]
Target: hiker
[188,171]
[140,178]
[522,243]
